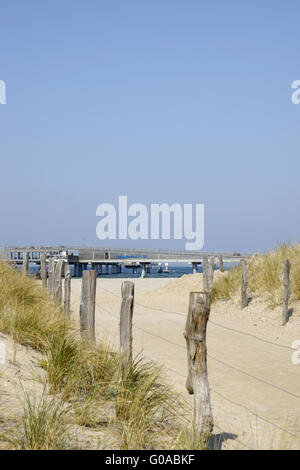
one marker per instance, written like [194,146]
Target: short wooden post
[286,292]
[67,290]
[244,300]
[211,272]
[57,285]
[88,304]
[43,269]
[205,274]
[221,264]
[51,266]
[25,262]
[197,379]
[126,314]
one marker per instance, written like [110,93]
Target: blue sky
[163,101]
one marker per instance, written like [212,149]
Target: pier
[107,260]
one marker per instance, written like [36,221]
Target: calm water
[174,271]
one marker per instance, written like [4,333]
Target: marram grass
[78,374]
[265,277]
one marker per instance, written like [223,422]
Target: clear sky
[183,101]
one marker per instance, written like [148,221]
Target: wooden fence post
[25,262]
[126,314]
[221,264]
[67,290]
[51,275]
[211,272]
[197,380]
[87,305]
[205,274]
[244,300]
[43,269]
[57,284]
[286,293]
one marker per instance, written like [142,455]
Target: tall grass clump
[143,403]
[82,373]
[44,424]
[26,311]
[265,277]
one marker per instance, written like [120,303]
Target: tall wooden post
[51,266]
[67,290]
[205,274]
[43,269]
[286,292]
[126,314]
[211,272]
[25,262]
[221,264]
[244,300]
[197,379]
[57,286]
[87,305]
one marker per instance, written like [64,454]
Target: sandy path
[248,377]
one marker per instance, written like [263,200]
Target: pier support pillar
[76,270]
[80,269]
[195,267]
[143,274]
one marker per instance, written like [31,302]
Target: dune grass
[79,373]
[265,277]
[26,311]
[44,425]
[143,403]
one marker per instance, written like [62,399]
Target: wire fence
[225,364]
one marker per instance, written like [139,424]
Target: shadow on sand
[216,441]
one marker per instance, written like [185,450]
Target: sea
[174,271]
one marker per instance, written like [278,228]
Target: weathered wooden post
[43,269]
[51,267]
[211,272]
[221,264]
[25,262]
[197,379]
[286,292]
[205,274]
[67,290]
[126,314]
[57,285]
[87,305]
[244,300]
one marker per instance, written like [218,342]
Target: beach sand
[253,382]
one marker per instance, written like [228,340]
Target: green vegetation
[265,277]
[141,401]
[44,424]
[85,384]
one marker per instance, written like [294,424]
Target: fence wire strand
[218,360]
